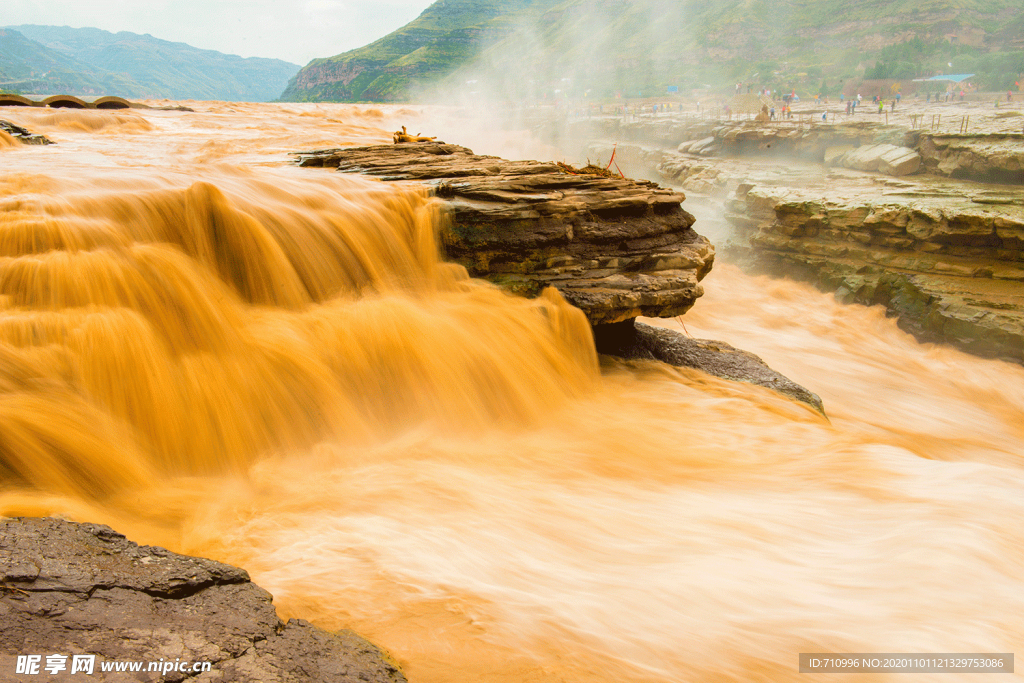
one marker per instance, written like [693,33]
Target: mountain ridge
[606,48]
[140,66]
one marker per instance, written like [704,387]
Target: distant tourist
[928,98]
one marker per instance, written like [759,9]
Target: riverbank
[879,214]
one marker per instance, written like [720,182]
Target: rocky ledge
[23,134]
[947,261]
[615,248]
[666,148]
[83,589]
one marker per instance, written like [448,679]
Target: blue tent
[955,78]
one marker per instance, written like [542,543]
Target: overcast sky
[293,30]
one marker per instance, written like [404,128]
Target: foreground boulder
[615,248]
[84,590]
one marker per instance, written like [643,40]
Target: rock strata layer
[615,248]
[991,158]
[951,267]
[83,589]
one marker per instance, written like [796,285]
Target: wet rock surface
[84,589]
[635,340]
[615,248]
[23,134]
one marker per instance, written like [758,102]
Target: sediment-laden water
[213,351]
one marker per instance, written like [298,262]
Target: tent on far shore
[954,78]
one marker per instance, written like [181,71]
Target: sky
[293,30]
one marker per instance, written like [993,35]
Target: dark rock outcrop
[83,589]
[615,248]
[22,134]
[635,340]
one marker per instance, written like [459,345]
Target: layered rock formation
[988,158]
[884,158]
[950,266]
[667,146]
[939,250]
[615,248]
[23,134]
[83,589]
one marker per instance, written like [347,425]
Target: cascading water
[212,351]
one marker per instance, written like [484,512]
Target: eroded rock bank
[928,224]
[994,157]
[614,247]
[949,266]
[83,589]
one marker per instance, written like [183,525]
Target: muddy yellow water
[211,350]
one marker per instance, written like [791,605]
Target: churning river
[212,350]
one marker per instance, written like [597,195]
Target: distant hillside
[27,66]
[447,35]
[133,65]
[600,48]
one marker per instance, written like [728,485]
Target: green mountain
[27,66]
[447,35]
[133,65]
[600,48]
